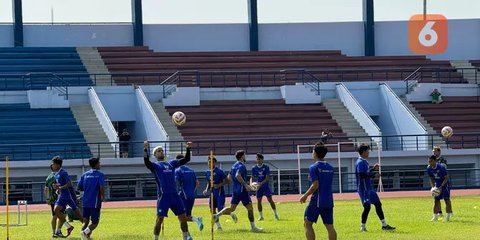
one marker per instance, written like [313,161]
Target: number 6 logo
[428,35]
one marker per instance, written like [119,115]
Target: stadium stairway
[19,124]
[92,131]
[241,119]
[460,113]
[467,70]
[94,64]
[345,120]
[170,128]
[45,60]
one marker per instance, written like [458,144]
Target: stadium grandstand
[271,88]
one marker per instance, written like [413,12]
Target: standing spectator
[326,135]
[436,96]
[124,138]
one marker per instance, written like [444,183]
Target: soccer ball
[179,118]
[447,132]
[254,186]
[435,191]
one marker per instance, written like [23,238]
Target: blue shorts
[92,213]
[67,201]
[170,201]
[312,213]
[445,194]
[241,197]
[188,204]
[369,197]
[264,190]
[218,201]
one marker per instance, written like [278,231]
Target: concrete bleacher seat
[23,131]
[17,63]
[242,119]
[460,113]
[342,68]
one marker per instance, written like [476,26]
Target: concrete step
[91,129]
[344,119]
[94,64]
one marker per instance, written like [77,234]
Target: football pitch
[411,216]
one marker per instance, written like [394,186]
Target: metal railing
[286,183]
[412,79]
[52,80]
[248,78]
[18,152]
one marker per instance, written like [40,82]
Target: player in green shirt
[51,195]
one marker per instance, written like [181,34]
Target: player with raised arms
[164,173]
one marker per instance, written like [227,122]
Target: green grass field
[410,215]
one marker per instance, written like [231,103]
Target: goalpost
[338,145]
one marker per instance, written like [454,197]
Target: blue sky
[232,11]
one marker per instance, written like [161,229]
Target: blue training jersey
[438,174]
[63,178]
[322,172]
[240,168]
[90,183]
[187,182]
[218,177]
[164,172]
[362,167]
[260,173]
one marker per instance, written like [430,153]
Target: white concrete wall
[422,91]
[77,35]
[345,36]
[240,93]
[13,97]
[299,94]
[6,35]
[46,99]
[183,96]
[196,37]
[119,102]
[391,38]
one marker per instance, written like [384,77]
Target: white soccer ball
[435,191]
[447,132]
[179,118]
[254,186]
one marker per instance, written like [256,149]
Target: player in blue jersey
[321,202]
[261,175]
[67,194]
[164,173]
[219,180]
[187,190]
[238,174]
[438,176]
[365,190]
[92,184]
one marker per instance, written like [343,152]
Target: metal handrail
[414,76]
[312,73]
